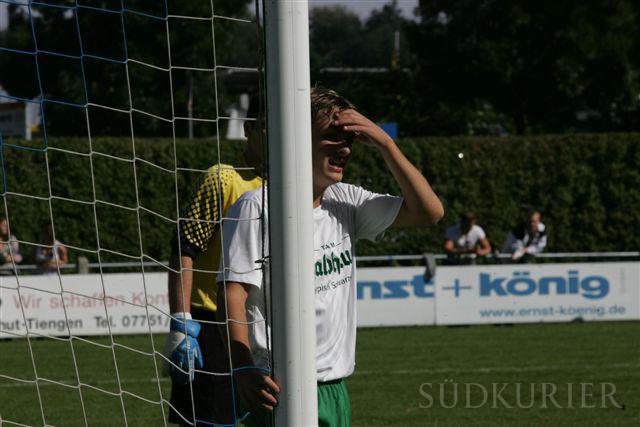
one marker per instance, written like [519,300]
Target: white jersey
[347,213]
[467,241]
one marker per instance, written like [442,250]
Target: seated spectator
[465,238]
[52,254]
[9,248]
[527,239]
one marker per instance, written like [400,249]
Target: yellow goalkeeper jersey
[220,187]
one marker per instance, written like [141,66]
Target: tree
[338,39]
[107,40]
[542,66]
[379,42]
[334,38]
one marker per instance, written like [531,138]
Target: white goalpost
[290,196]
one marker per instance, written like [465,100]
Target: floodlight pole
[290,210]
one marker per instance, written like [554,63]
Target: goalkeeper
[192,291]
[342,214]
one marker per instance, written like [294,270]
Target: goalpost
[113,86]
[290,193]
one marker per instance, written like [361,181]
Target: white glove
[182,349]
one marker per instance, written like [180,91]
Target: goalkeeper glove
[183,349]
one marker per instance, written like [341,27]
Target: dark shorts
[212,394]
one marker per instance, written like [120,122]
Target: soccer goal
[120,135]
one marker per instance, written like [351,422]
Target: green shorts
[334,409]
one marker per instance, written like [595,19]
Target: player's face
[331,151]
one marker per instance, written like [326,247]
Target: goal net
[113,115]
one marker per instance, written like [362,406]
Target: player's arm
[421,206]
[17,256]
[14,255]
[255,388]
[180,283]
[63,254]
[483,248]
[195,231]
[181,345]
[450,248]
[239,276]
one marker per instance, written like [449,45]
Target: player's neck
[317,196]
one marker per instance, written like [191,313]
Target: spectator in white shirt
[465,238]
[526,240]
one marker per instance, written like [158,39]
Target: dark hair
[467,218]
[325,101]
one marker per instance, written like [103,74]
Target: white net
[119,112]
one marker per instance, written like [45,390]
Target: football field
[542,374]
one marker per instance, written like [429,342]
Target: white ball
[460,155]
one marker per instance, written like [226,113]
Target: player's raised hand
[257,391]
[366,131]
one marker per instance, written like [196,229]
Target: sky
[364,7]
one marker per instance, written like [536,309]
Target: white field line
[382,373]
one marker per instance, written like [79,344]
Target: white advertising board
[394,296]
[537,293]
[48,305]
[388,296]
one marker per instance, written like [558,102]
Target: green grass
[393,364]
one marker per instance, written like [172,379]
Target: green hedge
[586,186]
